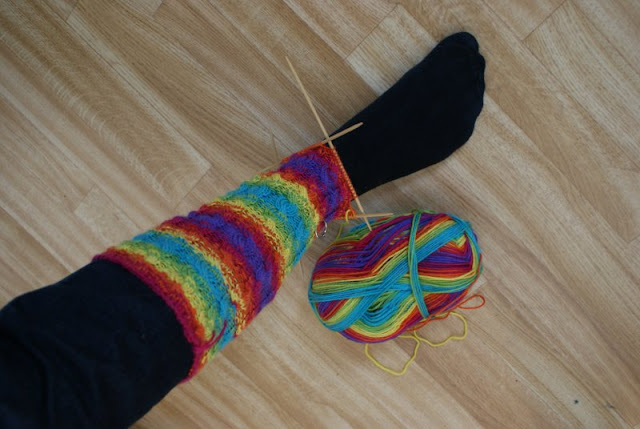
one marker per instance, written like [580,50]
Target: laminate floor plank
[275,30]
[390,50]
[618,21]
[62,7]
[267,91]
[186,96]
[341,25]
[117,115]
[593,72]
[524,16]
[41,188]
[25,263]
[115,136]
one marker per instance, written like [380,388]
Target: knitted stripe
[219,266]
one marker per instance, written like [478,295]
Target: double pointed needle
[324,131]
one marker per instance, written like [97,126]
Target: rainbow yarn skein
[410,269]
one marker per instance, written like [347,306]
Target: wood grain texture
[40,196]
[267,93]
[618,21]
[78,100]
[62,7]
[341,25]
[404,41]
[277,31]
[524,16]
[25,263]
[107,222]
[593,72]
[117,115]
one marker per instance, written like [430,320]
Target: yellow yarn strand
[452,337]
[389,370]
[418,339]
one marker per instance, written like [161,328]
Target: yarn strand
[418,340]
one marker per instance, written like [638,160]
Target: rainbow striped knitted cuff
[220,265]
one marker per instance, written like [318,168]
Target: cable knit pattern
[220,265]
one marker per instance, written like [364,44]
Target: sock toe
[462,39]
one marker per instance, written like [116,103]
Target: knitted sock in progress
[220,265]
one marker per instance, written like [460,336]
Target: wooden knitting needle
[364,216]
[333,137]
[324,130]
[343,132]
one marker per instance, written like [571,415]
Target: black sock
[428,114]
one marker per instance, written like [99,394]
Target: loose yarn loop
[419,340]
[371,286]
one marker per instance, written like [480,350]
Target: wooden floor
[117,115]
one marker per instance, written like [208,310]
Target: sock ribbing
[220,265]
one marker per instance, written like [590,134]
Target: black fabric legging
[71,357]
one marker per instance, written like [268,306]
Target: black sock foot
[428,114]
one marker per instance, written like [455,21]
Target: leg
[102,346]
